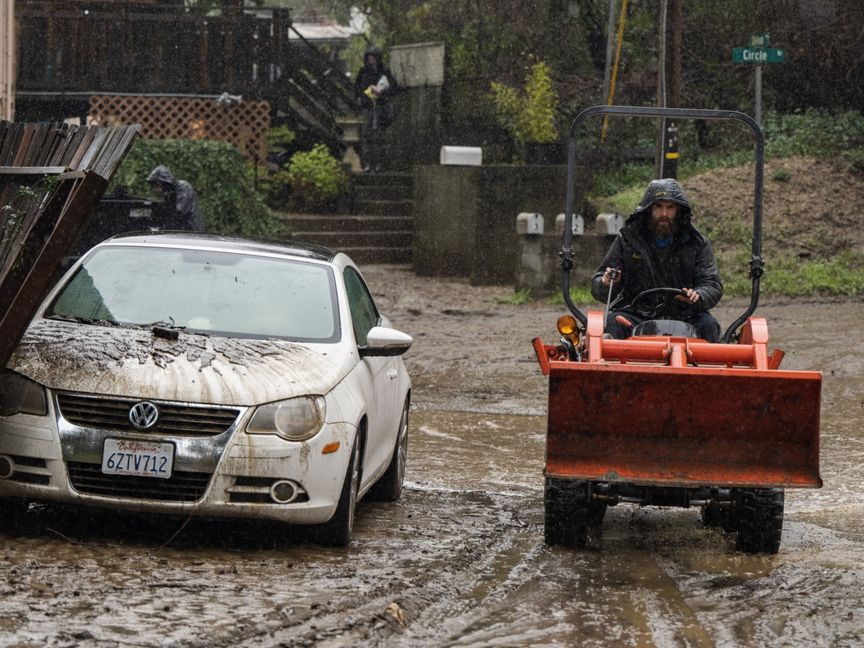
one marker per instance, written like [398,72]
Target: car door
[380,375]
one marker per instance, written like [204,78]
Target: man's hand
[609,274]
[690,296]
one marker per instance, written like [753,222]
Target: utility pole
[661,88]
[670,139]
[8,56]
[610,44]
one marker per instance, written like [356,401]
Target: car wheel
[569,513]
[388,488]
[760,520]
[337,532]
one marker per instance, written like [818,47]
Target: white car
[199,375]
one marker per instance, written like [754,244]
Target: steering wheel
[668,294]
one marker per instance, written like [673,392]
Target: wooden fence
[51,177]
[243,123]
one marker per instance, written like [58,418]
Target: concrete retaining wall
[465,217]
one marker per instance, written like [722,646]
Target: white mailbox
[529,223]
[609,224]
[578,224]
[462,155]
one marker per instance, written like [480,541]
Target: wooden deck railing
[78,49]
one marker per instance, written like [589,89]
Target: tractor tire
[719,516]
[570,513]
[760,520]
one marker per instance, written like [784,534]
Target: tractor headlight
[20,395]
[568,328]
[295,419]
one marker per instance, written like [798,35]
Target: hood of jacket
[375,51]
[665,189]
[162,175]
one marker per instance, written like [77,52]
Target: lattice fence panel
[243,123]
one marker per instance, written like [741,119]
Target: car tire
[388,488]
[570,515]
[338,530]
[760,520]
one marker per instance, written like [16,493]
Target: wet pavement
[460,559]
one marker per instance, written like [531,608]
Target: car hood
[195,368]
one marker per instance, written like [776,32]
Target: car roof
[228,244]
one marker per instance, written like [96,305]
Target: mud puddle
[459,561]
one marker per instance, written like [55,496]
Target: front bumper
[219,473]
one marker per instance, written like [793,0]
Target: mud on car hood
[194,368]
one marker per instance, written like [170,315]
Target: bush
[220,175]
[529,114]
[317,178]
[276,188]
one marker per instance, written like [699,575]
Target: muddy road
[460,560]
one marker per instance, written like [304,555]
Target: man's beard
[663,228]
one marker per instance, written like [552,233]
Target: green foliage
[276,188]
[517,298]
[279,138]
[842,275]
[781,175]
[579,296]
[813,132]
[219,174]
[316,178]
[855,160]
[528,115]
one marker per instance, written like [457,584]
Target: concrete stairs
[379,227]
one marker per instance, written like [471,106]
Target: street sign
[758,55]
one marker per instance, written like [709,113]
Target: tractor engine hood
[195,368]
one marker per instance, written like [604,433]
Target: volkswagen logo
[143,415]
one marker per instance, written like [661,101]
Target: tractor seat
[664,327]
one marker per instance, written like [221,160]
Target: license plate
[139,458]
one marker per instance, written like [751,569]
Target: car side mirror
[383,341]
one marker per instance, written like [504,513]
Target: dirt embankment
[812,207]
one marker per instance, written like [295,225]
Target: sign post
[758,53]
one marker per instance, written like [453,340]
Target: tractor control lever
[614,273]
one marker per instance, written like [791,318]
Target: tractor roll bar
[756,262]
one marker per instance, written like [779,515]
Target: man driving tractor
[659,247]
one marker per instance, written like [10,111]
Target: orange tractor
[665,418]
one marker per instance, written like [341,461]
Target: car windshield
[222,293]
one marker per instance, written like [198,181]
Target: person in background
[659,247]
[179,199]
[373,89]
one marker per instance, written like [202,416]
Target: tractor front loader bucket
[683,426]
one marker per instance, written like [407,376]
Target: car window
[364,315]
[222,293]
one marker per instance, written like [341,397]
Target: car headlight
[20,395]
[295,419]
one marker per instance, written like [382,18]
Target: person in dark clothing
[373,88]
[660,247]
[179,199]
